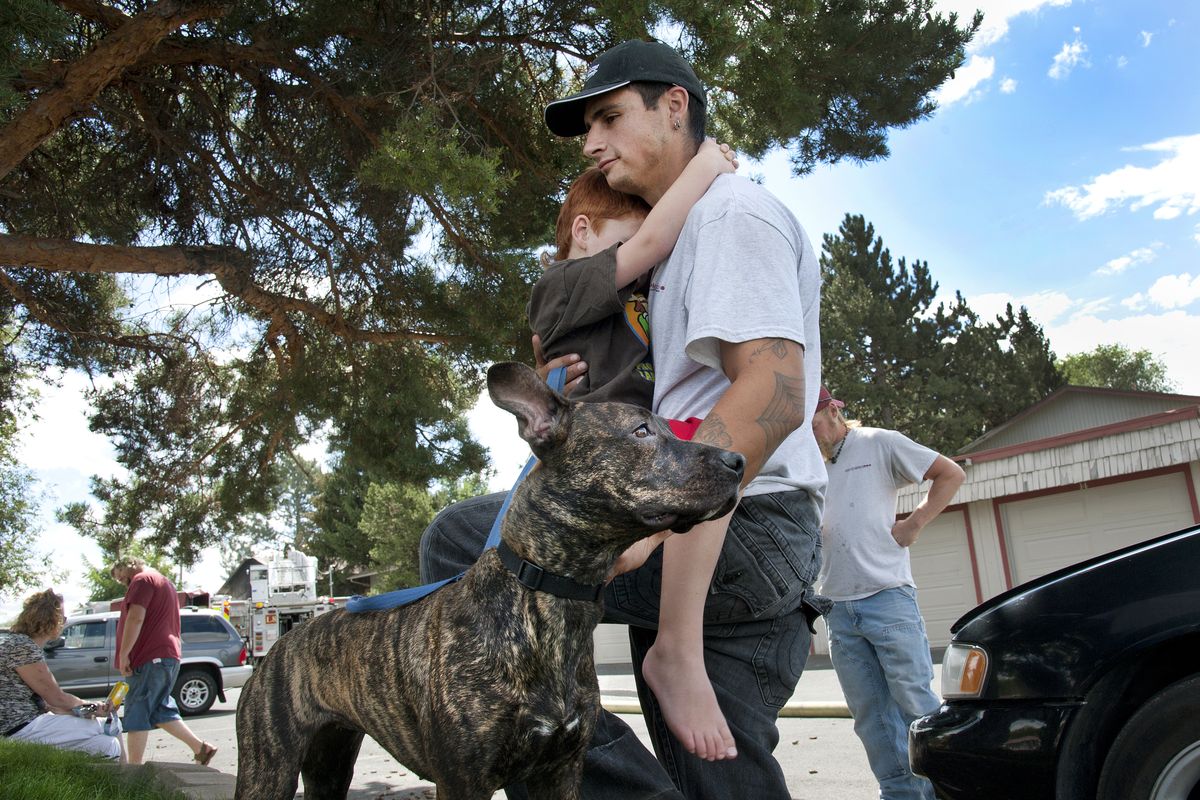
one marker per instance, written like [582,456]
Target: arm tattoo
[715,432]
[784,410]
[776,347]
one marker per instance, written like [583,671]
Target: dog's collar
[538,579]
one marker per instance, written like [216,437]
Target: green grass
[40,772]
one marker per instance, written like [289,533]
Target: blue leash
[402,597]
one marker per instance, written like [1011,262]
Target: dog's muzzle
[735,464]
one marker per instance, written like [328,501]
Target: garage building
[1081,473]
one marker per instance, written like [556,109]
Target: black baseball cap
[625,63]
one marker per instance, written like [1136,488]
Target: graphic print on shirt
[637,316]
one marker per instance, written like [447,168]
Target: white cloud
[1135,302]
[1146,37]
[155,298]
[970,79]
[1142,255]
[1072,54]
[1044,306]
[966,81]
[59,438]
[1088,308]
[1171,185]
[996,15]
[68,550]
[1175,291]
[1122,62]
[63,454]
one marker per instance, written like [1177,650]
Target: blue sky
[1062,171]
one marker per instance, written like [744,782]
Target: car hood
[1047,636]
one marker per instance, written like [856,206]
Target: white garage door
[1047,533]
[941,565]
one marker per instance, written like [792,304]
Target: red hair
[591,196]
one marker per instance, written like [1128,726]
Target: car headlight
[964,670]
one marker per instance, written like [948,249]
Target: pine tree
[900,359]
[349,197]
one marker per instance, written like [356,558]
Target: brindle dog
[486,682]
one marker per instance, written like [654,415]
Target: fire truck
[283,594]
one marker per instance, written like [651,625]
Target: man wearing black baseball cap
[734,313]
[628,62]
[734,321]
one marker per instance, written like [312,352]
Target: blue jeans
[881,654]
[757,635]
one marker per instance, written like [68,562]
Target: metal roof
[1072,409]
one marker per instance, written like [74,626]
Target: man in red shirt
[148,653]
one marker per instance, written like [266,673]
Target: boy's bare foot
[688,703]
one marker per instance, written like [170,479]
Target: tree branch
[95,11]
[87,77]
[38,311]
[228,265]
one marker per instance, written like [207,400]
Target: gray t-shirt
[860,555]
[17,705]
[743,269]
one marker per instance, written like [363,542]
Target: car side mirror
[53,645]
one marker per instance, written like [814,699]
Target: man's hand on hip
[905,532]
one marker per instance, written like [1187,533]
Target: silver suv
[214,657]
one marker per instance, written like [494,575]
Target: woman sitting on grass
[33,708]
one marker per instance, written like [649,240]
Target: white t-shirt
[860,557]
[743,269]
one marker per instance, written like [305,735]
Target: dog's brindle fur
[485,682]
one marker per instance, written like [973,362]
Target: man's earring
[677,123]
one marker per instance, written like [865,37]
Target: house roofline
[1182,399]
[1125,426]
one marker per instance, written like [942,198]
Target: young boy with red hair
[593,301]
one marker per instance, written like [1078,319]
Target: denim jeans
[149,702]
[881,654]
[758,623]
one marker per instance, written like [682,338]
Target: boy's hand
[720,157]
[576,368]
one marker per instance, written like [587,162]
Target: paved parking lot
[821,757]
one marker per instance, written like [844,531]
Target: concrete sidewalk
[818,695]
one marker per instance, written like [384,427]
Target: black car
[1082,684]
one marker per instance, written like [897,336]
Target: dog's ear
[541,412]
